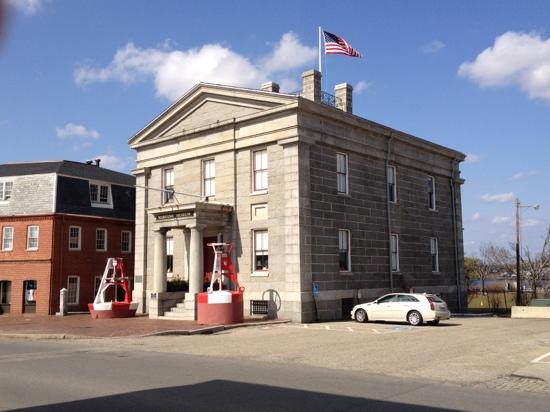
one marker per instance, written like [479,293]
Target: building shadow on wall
[221,395]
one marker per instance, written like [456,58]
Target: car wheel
[361,316]
[433,322]
[414,318]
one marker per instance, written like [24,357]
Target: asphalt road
[115,374]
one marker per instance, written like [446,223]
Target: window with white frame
[431,192]
[434,253]
[344,256]
[209,178]
[74,237]
[100,194]
[101,240]
[170,254]
[73,290]
[32,237]
[168,179]
[261,251]
[260,169]
[125,241]
[392,185]
[7,238]
[5,190]
[342,173]
[394,252]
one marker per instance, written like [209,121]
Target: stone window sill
[260,274]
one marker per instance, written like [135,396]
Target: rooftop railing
[326,98]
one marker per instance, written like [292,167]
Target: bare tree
[492,260]
[537,264]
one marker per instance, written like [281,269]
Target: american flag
[336,45]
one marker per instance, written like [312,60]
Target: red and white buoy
[221,307]
[113,276]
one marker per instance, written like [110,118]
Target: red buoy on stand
[114,276]
[222,306]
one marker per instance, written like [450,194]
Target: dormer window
[5,190]
[100,194]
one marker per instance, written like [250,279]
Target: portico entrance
[199,221]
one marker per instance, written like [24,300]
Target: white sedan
[414,308]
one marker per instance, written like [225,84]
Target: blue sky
[78,78]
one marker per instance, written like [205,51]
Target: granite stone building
[59,223]
[313,197]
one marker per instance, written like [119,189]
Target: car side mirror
[376,302]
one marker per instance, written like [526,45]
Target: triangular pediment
[208,105]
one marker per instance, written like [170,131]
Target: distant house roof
[67,168]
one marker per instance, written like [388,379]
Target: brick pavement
[82,325]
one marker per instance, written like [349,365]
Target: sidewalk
[83,326]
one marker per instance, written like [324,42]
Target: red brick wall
[20,264]
[87,263]
[53,262]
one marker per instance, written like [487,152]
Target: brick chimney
[270,87]
[344,97]
[311,85]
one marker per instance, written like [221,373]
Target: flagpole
[320,65]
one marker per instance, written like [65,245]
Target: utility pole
[535,206]
[518,275]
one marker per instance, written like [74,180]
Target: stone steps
[179,315]
[183,310]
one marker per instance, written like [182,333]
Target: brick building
[312,196]
[59,222]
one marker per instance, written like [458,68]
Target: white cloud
[76,130]
[110,161]
[433,47]
[501,219]
[531,223]
[288,54]
[28,7]
[176,71]
[523,175]
[472,158]
[501,197]
[475,216]
[518,59]
[361,86]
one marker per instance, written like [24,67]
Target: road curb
[207,330]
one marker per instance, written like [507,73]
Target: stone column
[185,254]
[159,268]
[196,271]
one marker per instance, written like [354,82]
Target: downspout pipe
[388,210]
[455,233]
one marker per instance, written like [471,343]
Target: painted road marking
[540,358]
[382,330]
